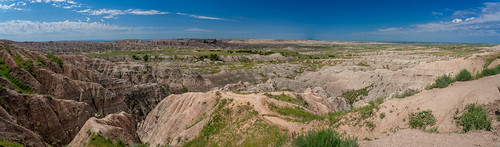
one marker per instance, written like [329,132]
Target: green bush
[442,82]
[490,71]
[324,138]
[463,75]
[422,119]
[475,117]
[382,115]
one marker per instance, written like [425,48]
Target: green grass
[421,119]
[352,95]
[335,117]
[10,144]
[286,98]
[475,117]
[100,141]
[463,75]
[324,138]
[367,111]
[268,135]
[489,59]
[56,59]
[21,87]
[298,115]
[226,128]
[27,65]
[406,93]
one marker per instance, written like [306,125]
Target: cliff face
[113,126]
[50,98]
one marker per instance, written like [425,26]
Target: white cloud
[201,17]
[197,30]
[112,13]
[456,20]
[20,27]
[140,12]
[6,7]
[485,22]
[88,19]
[437,13]
[388,29]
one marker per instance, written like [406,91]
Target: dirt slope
[442,102]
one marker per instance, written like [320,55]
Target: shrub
[146,58]
[475,117]
[463,75]
[184,89]
[324,138]
[442,82]
[422,119]
[382,115]
[490,71]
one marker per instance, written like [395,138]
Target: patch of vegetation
[286,98]
[406,93]
[56,59]
[242,93]
[488,60]
[324,138]
[97,140]
[212,57]
[421,119]
[40,60]
[27,65]
[489,72]
[370,125]
[226,128]
[441,82]
[352,95]
[21,87]
[298,114]
[362,64]
[336,116]
[475,117]
[367,111]
[267,136]
[146,58]
[463,75]
[10,144]
[184,89]
[433,130]
[382,115]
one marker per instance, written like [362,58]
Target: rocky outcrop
[177,116]
[56,120]
[114,126]
[11,131]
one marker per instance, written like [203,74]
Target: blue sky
[364,20]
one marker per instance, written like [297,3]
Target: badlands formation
[228,92]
